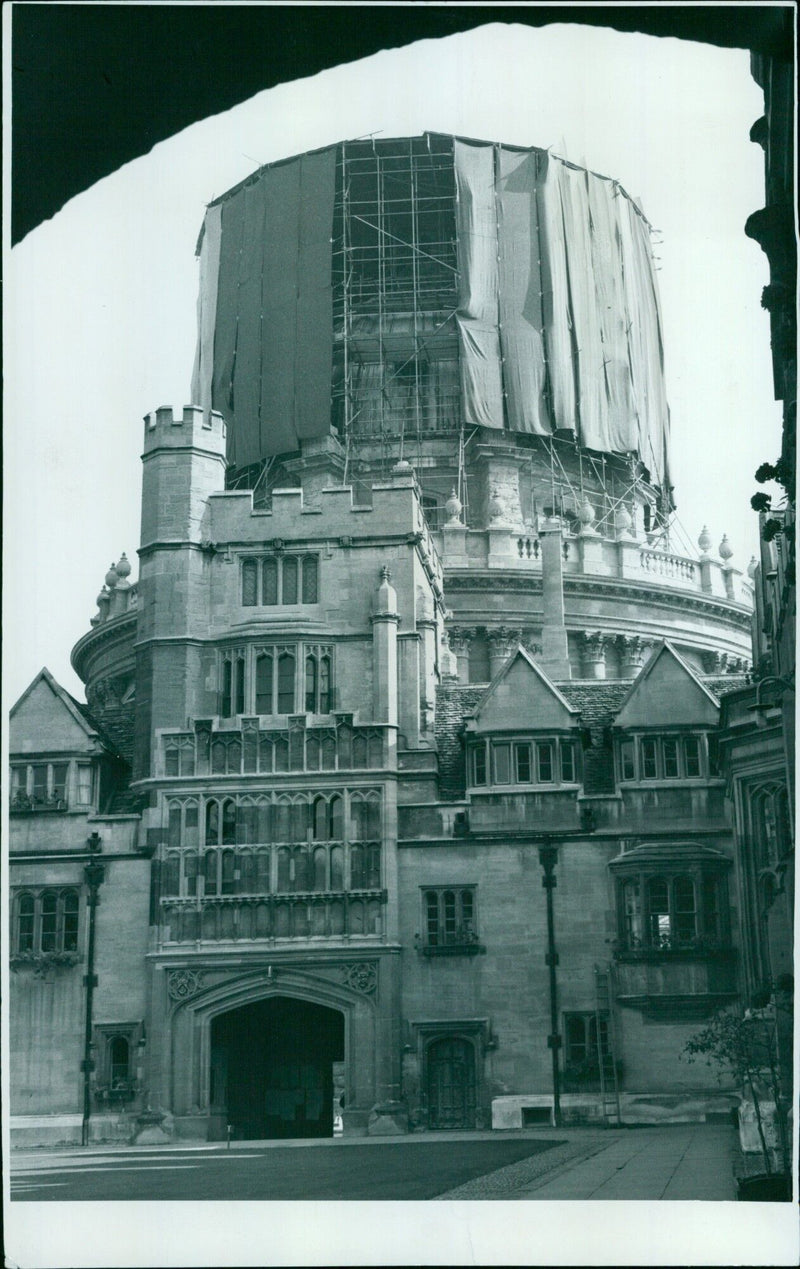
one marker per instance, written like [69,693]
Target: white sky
[100,307]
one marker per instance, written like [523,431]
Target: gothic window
[179,759]
[770,820]
[365,867]
[273,580]
[318,680]
[286,683]
[450,917]
[365,818]
[232,693]
[47,921]
[119,1061]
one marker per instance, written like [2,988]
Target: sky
[101,300]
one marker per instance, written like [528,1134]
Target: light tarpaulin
[521,310]
[477,316]
[272,330]
[203,372]
[556,306]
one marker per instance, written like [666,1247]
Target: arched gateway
[272,1068]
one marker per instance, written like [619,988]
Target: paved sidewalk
[694,1161]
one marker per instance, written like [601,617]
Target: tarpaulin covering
[520,309]
[272,302]
[477,316]
[556,261]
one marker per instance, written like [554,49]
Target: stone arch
[190,1022]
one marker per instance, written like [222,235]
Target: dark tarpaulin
[273,329]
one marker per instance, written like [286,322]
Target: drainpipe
[548,855]
[95,874]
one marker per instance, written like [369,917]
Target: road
[333,1170]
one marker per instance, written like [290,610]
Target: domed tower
[489,314]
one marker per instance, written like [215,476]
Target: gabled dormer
[664,729]
[55,750]
[523,732]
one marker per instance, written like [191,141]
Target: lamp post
[759,708]
[95,874]
[548,856]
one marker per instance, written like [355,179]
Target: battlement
[196,428]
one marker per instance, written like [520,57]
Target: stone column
[593,655]
[503,640]
[460,637]
[632,652]
[555,653]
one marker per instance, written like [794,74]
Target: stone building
[404,803]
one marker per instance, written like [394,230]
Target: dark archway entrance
[451,1083]
[272,1068]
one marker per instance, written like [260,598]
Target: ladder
[606,1052]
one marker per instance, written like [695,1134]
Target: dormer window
[550,760]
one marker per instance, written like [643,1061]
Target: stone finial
[386,573]
[111,576]
[623,521]
[705,540]
[123,568]
[751,567]
[725,549]
[385,600]
[454,507]
[587,516]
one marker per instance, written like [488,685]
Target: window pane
[320,869]
[691,755]
[211,872]
[191,868]
[227,683]
[310,587]
[172,875]
[432,917]
[449,909]
[649,770]
[344,737]
[467,912]
[228,822]
[285,683]
[544,754]
[263,684]
[40,782]
[328,753]
[25,921]
[239,686]
[575,1028]
[59,781]
[479,764]
[632,913]
[359,750]
[190,818]
[523,759]
[269,581]
[336,818]
[670,751]
[289,594]
[212,823]
[658,912]
[283,870]
[567,762]
[174,829]
[249,581]
[337,868]
[49,921]
[263,882]
[502,763]
[627,763]
[683,892]
[311,685]
[218,757]
[312,753]
[325,685]
[228,869]
[84,784]
[119,1054]
[320,819]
